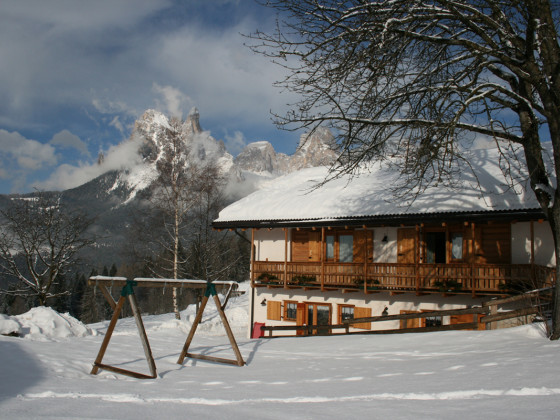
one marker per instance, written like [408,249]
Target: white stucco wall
[377,302]
[544,245]
[521,243]
[269,245]
[385,252]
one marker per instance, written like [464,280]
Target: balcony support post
[473,257]
[253,257]
[285,258]
[417,259]
[323,255]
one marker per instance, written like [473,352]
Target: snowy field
[505,374]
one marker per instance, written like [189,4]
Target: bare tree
[178,188]
[39,242]
[413,80]
[213,254]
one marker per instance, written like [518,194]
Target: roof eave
[388,220]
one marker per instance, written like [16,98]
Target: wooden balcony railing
[421,278]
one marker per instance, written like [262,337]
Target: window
[330,247]
[457,246]
[346,251]
[348,246]
[290,309]
[346,312]
[433,321]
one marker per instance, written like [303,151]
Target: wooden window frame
[425,321]
[286,303]
[449,232]
[464,245]
[336,234]
[339,311]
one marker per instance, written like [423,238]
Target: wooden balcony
[475,279]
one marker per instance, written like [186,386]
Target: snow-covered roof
[292,197]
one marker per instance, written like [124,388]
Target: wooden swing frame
[127,293]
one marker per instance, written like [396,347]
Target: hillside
[500,374]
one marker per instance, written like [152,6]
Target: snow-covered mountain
[257,163]
[114,196]
[314,149]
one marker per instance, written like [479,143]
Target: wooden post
[285,258]
[473,258]
[493,311]
[417,259]
[240,361]
[127,291]
[108,296]
[193,330]
[143,336]
[211,290]
[366,244]
[323,256]
[108,335]
[253,257]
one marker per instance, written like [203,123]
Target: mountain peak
[192,122]
[315,149]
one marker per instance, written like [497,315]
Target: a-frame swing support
[211,291]
[127,293]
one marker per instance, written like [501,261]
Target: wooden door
[319,315]
[300,245]
[300,317]
[314,246]
[406,249]
[306,245]
[363,246]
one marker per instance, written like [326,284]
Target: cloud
[174,101]
[66,139]
[20,157]
[96,66]
[220,75]
[122,156]
[236,143]
[115,122]
[28,154]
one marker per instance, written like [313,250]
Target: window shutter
[363,245]
[359,245]
[300,316]
[300,245]
[362,313]
[274,310]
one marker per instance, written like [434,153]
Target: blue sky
[76,74]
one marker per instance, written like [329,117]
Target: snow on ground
[503,374]
[43,324]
